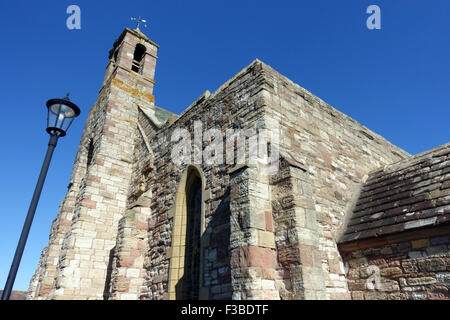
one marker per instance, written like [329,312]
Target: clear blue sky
[395,81]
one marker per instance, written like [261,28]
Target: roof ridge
[412,160]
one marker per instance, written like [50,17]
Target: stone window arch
[138,58]
[186,261]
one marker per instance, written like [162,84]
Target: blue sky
[395,81]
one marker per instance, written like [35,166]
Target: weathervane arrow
[139,21]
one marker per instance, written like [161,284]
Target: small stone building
[345,215]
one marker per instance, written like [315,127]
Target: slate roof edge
[349,211]
[409,235]
[412,159]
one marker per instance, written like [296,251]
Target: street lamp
[61,113]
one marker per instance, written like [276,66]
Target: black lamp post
[61,113]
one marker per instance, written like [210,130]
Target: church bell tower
[76,264]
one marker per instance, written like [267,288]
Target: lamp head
[61,113]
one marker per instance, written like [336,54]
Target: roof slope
[404,196]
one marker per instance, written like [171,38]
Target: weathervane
[138,21]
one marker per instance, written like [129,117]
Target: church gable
[168,179]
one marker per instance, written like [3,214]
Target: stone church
[346,215]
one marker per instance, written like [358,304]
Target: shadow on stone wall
[106,291]
[216,256]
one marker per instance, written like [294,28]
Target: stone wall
[318,142]
[237,104]
[336,152]
[43,281]
[88,244]
[410,270]
[253,251]
[299,271]
[127,273]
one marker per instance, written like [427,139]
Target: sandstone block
[83,243]
[389,272]
[252,256]
[432,264]
[410,266]
[266,239]
[421,281]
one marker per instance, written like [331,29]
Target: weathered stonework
[77,260]
[411,270]
[122,230]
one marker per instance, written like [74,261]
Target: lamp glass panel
[67,124]
[62,108]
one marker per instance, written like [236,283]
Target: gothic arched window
[193,232]
[186,262]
